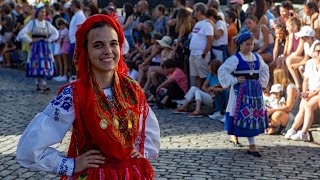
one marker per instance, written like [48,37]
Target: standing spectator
[77,19]
[246,113]
[89,9]
[237,6]
[216,5]
[200,45]
[232,30]
[56,14]
[172,22]
[160,20]
[143,8]
[129,23]
[189,4]
[64,42]
[220,39]
[40,60]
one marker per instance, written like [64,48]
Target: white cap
[276,88]
[306,31]
[166,41]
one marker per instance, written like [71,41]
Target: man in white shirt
[77,19]
[200,45]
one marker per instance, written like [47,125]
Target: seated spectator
[279,47]
[311,14]
[279,116]
[7,52]
[156,73]
[206,94]
[175,87]
[131,71]
[140,51]
[294,47]
[309,98]
[275,100]
[152,60]
[306,34]
[263,39]
[286,11]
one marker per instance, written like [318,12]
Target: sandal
[236,144]
[195,114]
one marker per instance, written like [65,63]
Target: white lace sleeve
[46,129]
[54,33]
[263,72]
[152,132]
[225,77]
[23,34]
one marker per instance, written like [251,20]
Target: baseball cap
[276,88]
[306,31]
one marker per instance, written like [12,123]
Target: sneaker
[57,78]
[223,119]
[300,136]
[72,78]
[62,79]
[216,116]
[290,133]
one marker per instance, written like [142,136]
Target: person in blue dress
[40,63]
[246,73]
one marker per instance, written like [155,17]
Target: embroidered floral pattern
[62,103]
[63,168]
[63,100]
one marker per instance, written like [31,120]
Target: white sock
[251,140]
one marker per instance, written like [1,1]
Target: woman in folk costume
[246,73]
[114,129]
[40,58]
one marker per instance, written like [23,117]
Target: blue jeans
[221,100]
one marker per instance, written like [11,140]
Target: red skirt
[129,169]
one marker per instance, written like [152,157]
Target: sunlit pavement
[191,148]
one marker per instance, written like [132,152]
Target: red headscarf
[111,126]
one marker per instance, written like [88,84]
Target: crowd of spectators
[175,54]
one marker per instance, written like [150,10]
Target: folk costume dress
[246,114]
[114,121]
[40,62]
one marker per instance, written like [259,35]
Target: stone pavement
[191,148]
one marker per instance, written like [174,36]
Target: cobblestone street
[191,148]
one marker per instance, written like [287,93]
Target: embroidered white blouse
[227,79]
[50,126]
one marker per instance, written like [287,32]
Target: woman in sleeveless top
[246,73]
[263,39]
[114,129]
[40,62]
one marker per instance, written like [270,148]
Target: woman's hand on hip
[135,154]
[89,159]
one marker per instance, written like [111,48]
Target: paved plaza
[191,148]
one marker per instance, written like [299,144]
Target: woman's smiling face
[103,49]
